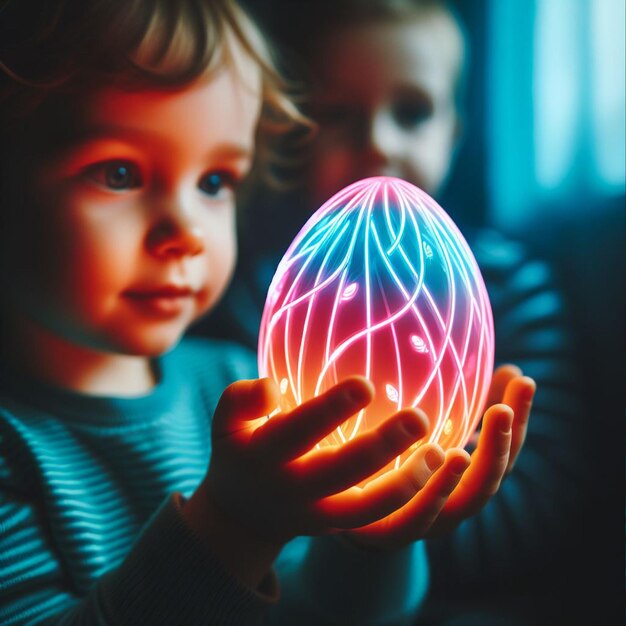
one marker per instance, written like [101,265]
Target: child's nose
[175,238]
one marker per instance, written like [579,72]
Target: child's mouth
[168,300]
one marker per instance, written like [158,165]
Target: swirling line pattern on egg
[380,282]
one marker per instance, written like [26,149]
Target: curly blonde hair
[56,52]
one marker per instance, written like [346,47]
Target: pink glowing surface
[380,282]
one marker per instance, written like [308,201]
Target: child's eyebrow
[103,132]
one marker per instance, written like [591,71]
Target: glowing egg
[380,282]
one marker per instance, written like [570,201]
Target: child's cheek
[219,262]
[87,248]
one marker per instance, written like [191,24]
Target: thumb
[242,402]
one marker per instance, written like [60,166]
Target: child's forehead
[391,52]
[210,115]
[237,78]
[423,38]
[226,93]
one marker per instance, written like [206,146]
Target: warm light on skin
[138,223]
[380,283]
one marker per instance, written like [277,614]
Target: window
[556,105]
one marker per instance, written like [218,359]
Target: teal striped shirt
[90,525]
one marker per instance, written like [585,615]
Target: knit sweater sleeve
[167,578]
[325,582]
[75,547]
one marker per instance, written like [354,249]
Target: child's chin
[150,345]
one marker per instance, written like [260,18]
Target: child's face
[138,213]
[386,104]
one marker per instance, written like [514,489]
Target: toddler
[141,481]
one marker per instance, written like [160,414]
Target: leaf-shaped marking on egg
[419,345]
[392,392]
[350,291]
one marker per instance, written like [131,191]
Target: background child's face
[138,213]
[386,104]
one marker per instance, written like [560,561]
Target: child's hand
[447,499]
[267,483]
[267,476]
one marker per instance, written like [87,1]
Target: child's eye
[409,114]
[115,175]
[216,184]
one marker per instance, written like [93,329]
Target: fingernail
[358,395]
[458,466]
[506,423]
[434,459]
[412,425]
[529,393]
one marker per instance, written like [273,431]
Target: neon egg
[380,282]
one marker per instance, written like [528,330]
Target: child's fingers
[241,402]
[383,495]
[413,520]
[424,509]
[331,470]
[499,381]
[519,396]
[502,376]
[488,464]
[289,435]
